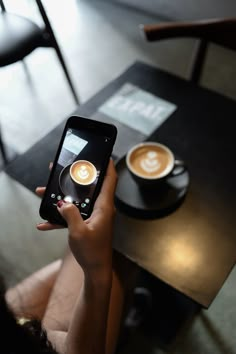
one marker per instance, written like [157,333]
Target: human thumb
[72,216]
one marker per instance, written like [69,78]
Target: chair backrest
[51,41]
[219,31]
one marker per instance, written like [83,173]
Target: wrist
[100,270]
[99,277]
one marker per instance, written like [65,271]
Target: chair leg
[53,43]
[25,68]
[3,150]
[61,59]
[198,58]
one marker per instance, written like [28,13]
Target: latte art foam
[83,172]
[150,161]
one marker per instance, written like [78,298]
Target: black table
[193,249]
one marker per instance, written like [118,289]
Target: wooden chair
[19,37]
[219,31]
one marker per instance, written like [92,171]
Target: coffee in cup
[150,162]
[83,172]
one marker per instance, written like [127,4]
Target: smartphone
[79,167]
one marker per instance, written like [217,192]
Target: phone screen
[78,169]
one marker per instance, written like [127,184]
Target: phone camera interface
[78,169]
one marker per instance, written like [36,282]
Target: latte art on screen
[83,172]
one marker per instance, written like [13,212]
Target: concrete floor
[100,40]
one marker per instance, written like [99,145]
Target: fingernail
[40,223]
[60,203]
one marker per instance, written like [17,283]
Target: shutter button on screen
[68,199]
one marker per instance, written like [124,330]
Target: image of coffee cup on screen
[83,173]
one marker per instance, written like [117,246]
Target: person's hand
[91,240]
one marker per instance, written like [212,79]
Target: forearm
[87,331]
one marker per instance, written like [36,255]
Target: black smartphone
[79,167]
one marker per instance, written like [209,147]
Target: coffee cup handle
[179,168]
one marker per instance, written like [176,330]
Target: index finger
[106,196]
[40,191]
